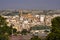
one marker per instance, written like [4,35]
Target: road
[19,37]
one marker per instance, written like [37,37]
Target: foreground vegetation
[5,31]
[55,31]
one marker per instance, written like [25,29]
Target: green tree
[35,38]
[2,21]
[4,37]
[14,30]
[5,30]
[55,31]
[24,32]
[53,36]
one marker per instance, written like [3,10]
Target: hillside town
[36,22]
[29,18]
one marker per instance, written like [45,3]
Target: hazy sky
[30,4]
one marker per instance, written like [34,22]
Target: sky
[29,4]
